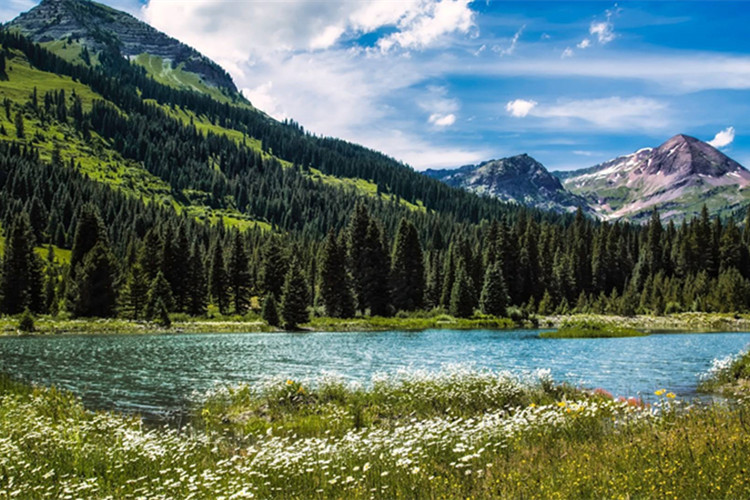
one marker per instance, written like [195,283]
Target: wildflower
[289,382]
[561,404]
[671,395]
[660,392]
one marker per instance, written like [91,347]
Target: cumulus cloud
[604,31]
[429,23]
[723,138]
[585,43]
[520,107]
[568,52]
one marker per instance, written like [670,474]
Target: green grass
[409,323]
[572,329]
[162,71]
[729,376]
[441,435]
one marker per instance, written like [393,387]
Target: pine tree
[159,297]
[96,283]
[270,312]
[335,291]
[197,293]
[377,282]
[150,254]
[407,271]
[135,291]
[462,295]
[294,299]
[358,246]
[20,132]
[274,267]
[50,283]
[21,285]
[238,271]
[494,299]
[218,280]
[89,232]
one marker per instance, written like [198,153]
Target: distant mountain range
[67,26]
[678,178]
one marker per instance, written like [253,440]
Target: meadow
[457,433]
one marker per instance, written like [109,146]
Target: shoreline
[676,323]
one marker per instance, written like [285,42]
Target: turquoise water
[158,374]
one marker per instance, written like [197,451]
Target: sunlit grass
[459,434]
[573,329]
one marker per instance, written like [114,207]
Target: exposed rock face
[98,27]
[518,179]
[678,177]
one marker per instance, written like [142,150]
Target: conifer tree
[294,299]
[377,280]
[95,283]
[407,270]
[462,296]
[494,299]
[159,297]
[358,247]
[274,267]
[20,129]
[21,285]
[335,291]
[89,232]
[197,293]
[218,280]
[238,272]
[270,312]
[135,292]
[50,282]
[150,254]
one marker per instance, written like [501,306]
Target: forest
[327,250]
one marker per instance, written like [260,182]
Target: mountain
[518,179]
[66,27]
[678,178]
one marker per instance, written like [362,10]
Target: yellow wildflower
[660,392]
[671,395]
[289,382]
[562,404]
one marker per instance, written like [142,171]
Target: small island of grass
[589,330]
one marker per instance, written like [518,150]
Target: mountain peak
[678,177]
[518,179]
[98,27]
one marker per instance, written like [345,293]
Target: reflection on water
[154,374]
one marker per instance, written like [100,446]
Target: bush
[26,322]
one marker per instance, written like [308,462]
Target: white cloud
[603,30]
[442,108]
[429,24]
[568,52]
[723,138]
[506,51]
[616,113]
[11,8]
[442,120]
[520,107]
[585,43]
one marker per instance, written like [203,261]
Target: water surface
[155,374]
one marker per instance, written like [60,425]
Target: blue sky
[442,83]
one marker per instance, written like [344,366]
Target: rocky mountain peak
[99,27]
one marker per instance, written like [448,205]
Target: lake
[156,375]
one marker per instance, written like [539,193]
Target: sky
[445,83]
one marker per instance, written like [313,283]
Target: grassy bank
[487,435]
[591,329]
[181,323]
[729,376]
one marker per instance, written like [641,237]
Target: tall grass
[491,435]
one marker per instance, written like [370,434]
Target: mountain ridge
[517,179]
[99,27]
[677,176]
